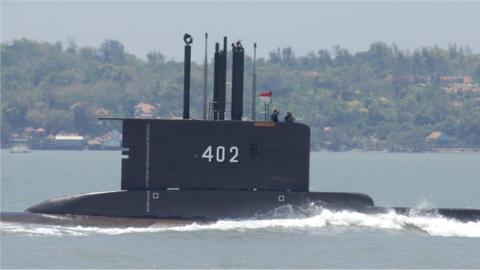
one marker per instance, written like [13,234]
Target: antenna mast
[186,78]
[254,81]
[205,78]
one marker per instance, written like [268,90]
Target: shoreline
[357,150]
[434,150]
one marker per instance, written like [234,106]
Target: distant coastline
[427,99]
[355,150]
[435,150]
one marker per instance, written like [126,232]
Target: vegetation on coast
[381,98]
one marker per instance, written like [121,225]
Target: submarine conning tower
[215,153]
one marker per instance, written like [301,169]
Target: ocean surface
[326,240]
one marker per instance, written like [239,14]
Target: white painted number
[234,151]
[208,154]
[220,155]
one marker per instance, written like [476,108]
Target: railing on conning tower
[214,113]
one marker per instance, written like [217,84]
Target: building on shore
[94,144]
[112,140]
[69,142]
[440,139]
[144,110]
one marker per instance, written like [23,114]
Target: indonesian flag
[265,96]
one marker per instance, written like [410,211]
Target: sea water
[327,239]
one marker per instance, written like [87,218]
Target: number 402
[219,154]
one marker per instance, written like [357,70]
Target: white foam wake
[325,219]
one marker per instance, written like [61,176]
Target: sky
[306,26]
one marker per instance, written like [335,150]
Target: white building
[69,142]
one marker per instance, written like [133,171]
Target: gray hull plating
[92,221]
[213,205]
[194,204]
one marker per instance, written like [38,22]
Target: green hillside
[382,98]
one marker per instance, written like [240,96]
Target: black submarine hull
[194,204]
[206,206]
[93,221]
[69,220]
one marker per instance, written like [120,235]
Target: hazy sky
[306,26]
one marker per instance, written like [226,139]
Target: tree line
[381,98]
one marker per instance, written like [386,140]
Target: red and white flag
[265,96]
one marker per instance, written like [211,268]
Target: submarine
[217,167]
